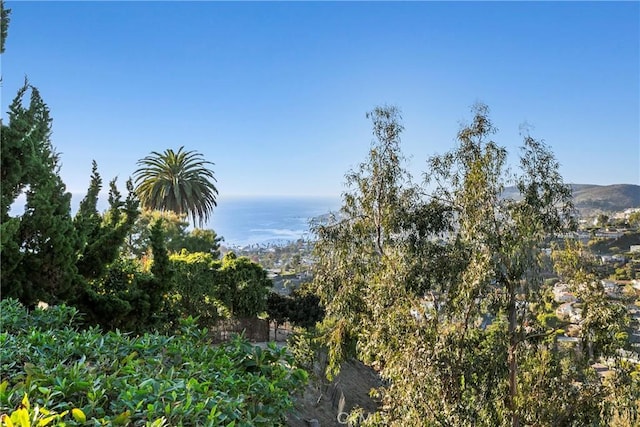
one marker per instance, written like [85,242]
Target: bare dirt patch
[325,401]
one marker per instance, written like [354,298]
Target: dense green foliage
[116,378]
[46,255]
[302,308]
[210,289]
[128,296]
[438,286]
[38,248]
[179,181]
[50,256]
[177,235]
[103,235]
[4,25]
[244,286]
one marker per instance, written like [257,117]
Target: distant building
[562,294]
[568,312]
[612,258]
[611,288]
[609,234]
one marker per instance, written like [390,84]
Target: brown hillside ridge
[590,199]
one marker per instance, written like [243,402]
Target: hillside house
[562,294]
[611,289]
[568,311]
[612,259]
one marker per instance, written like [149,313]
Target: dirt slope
[324,401]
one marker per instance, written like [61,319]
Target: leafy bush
[304,347]
[243,286]
[194,291]
[302,308]
[16,319]
[116,378]
[210,289]
[26,415]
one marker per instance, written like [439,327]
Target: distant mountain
[591,199]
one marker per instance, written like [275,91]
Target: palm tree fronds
[179,181]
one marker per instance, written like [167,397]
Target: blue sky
[275,94]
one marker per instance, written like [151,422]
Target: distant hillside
[591,199]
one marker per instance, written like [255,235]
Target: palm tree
[177,181]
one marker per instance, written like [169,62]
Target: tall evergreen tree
[49,245]
[4,25]
[23,142]
[103,237]
[38,255]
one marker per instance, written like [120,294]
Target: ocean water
[244,221]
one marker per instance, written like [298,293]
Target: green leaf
[123,418]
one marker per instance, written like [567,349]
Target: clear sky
[275,94]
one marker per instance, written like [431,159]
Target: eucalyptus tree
[371,259]
[179,181]
[350,248]
[504,237]
[438,289]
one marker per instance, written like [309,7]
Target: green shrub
[116,378]
[194,290]
[16,319]
[211,289]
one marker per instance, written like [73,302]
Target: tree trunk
[513,363]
